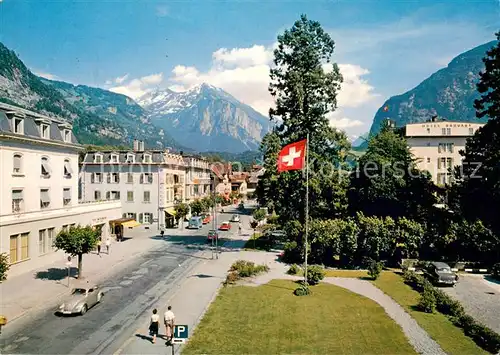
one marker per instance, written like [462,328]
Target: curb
[58,296]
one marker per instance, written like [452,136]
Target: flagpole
[307,207]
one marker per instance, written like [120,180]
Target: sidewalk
[29,290]
[191,300]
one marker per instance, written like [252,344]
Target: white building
[39,184]
[437,144]
[147,182]
[198,177]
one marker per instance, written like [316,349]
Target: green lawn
[269,319]
[346,273]
[451,339]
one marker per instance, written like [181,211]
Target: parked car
[440,273]
[225,226]
[195,223]
[241,206]
[81,300]
[212,235]
[235,218]
[206,219]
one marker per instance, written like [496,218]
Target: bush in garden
[247,268]
[446,305]
[495,271]
[302,290]
[231,278]
[315,274]
[374,269]
[294,269]
[427,302]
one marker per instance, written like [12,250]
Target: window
[449,163]
[440,147]
[42,241]
[131,215]
[13,249]
[441,177]
[17,167]
[67,168]
[428,161]
[113,195]
[97,195]
[196,190]
[50,238]
[16,241]
[96,178]
[443,131]
[148,218]
[66,196]
[17,201]
[113,178]
[130,178]
[67,135]
[130,196]
[448,131]
[140,217]
[18,125]
[471,131]
[147,196]
[44,198]
[45,167]
[130,158]
[147,158]
[98,158]
[65,227]
[428,130]
[114,158]
[146,178]
[441,163]
[44,131]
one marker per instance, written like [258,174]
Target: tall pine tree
[304,84]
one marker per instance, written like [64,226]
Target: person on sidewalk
[99,243]
[154,325]
[108,244]
[169,320]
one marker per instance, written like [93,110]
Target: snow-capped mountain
[206,118]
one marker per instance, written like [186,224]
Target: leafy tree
[254,224]
[77,241]
[181,211]
[208,203]
[267,191]
[197,206]
[387,181]
[304,84]
[480,189]
[375,238]
[259,214]
[4,266]
[408,238]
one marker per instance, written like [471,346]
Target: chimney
[136,145]
[141,146]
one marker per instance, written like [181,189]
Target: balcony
[80,208]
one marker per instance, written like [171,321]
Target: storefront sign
[99,220]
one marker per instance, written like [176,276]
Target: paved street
[131,292]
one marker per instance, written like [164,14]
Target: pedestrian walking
[169,320]
[239,228]
[108,244]
[99,243]
[154,325]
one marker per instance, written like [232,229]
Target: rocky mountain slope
[448,93]
[206,118]
[99,117]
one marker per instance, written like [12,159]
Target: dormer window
[147,158]
[45,131]
[18,125]
[130,158]
[98,158]
[114,158]
[67,135]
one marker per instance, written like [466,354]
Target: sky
[383,47]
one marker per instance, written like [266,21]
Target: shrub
[416,281]
[374,269]
[446,305]
[302,290]
[247,268]
[231,278]
[4,266]
[495,271]
[294,269]
[427,302]
[315,274]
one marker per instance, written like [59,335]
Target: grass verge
[451,339]
[269,319]
[361,274]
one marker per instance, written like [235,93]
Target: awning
[131,224]
[171,211]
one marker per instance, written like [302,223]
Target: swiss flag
[292,156]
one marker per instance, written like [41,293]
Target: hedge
[482,335]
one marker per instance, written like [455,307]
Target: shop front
[170,218]
[120,226]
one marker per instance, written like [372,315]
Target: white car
[235,218]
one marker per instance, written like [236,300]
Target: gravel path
[418,337]
[480,298]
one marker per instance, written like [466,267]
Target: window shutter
[118,178]
[142,179]
[140,217]
[150,218]
[118,195]
[108,178]
[92,178]
[108,195]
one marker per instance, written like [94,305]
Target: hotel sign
[438,125]
[99,220]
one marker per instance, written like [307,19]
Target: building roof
[31,125]
[157,156]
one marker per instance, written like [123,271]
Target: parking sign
[181,334]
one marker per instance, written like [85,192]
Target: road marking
[141,271]
[21,339]
[135,277]
[126,282]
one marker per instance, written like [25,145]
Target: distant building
[436,145]
[253,178]
[198,181]
[39,186]
[147,182]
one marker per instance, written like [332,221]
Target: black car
[440,273]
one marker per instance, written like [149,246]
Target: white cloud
[121,79]
[244,73]
[46,75]
[344,122]
[137,87]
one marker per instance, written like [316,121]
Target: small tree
[374,269]
[77,241]
[181,211]
[259,215]
[197,206]
[254,224]
[4,266]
